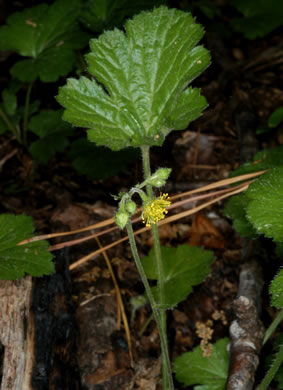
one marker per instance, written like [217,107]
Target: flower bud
[130,207]
[158,179]
[121,218]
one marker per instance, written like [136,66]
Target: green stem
[272,370]
[273,326]
[10,125]
[168,381]
[160,273]
[26,113]
[147,322]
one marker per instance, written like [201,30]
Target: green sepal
[122,216]
[130,206]
[139,93]
[159,178]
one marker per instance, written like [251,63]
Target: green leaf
[99,15]
[235,208]
[9,101]
[184,267]
[15,261]
[3,127]
[263,129]
[276,117]
[53,133]
[140,81]
[193,368]
[276,290]
[49,122]
[265,209]
[47,34]
[98,162]
[279,249]
[265,159]
[260,17]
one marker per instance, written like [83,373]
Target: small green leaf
[53,133]
[235,208]
[276,290]
[48,35]
[3,127]
[279,249]
[43,150]
[49,122]
[184,267]
[9,102]
[260,17]
[145,74]
[263,129]
[99,15]
[97,162]
[193,368]
[15,261]
[265,208]
[276,117]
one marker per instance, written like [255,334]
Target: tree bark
[16,333]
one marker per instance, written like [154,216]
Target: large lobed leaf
[184,267]
[211,372]
[15,261]
[48,35]
[140,92]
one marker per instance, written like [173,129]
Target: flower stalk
[166,368]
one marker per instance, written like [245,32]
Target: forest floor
[245,76]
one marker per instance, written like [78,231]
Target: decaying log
[38,332]
[16,333]
[246,331]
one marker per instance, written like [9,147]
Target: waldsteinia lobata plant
[138,94]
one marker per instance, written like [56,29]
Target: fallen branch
[246,331]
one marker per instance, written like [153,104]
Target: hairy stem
[272,370]
[168,381]
[160,273]
[26,114]
[10,125]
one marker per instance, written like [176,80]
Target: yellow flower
[156,210]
